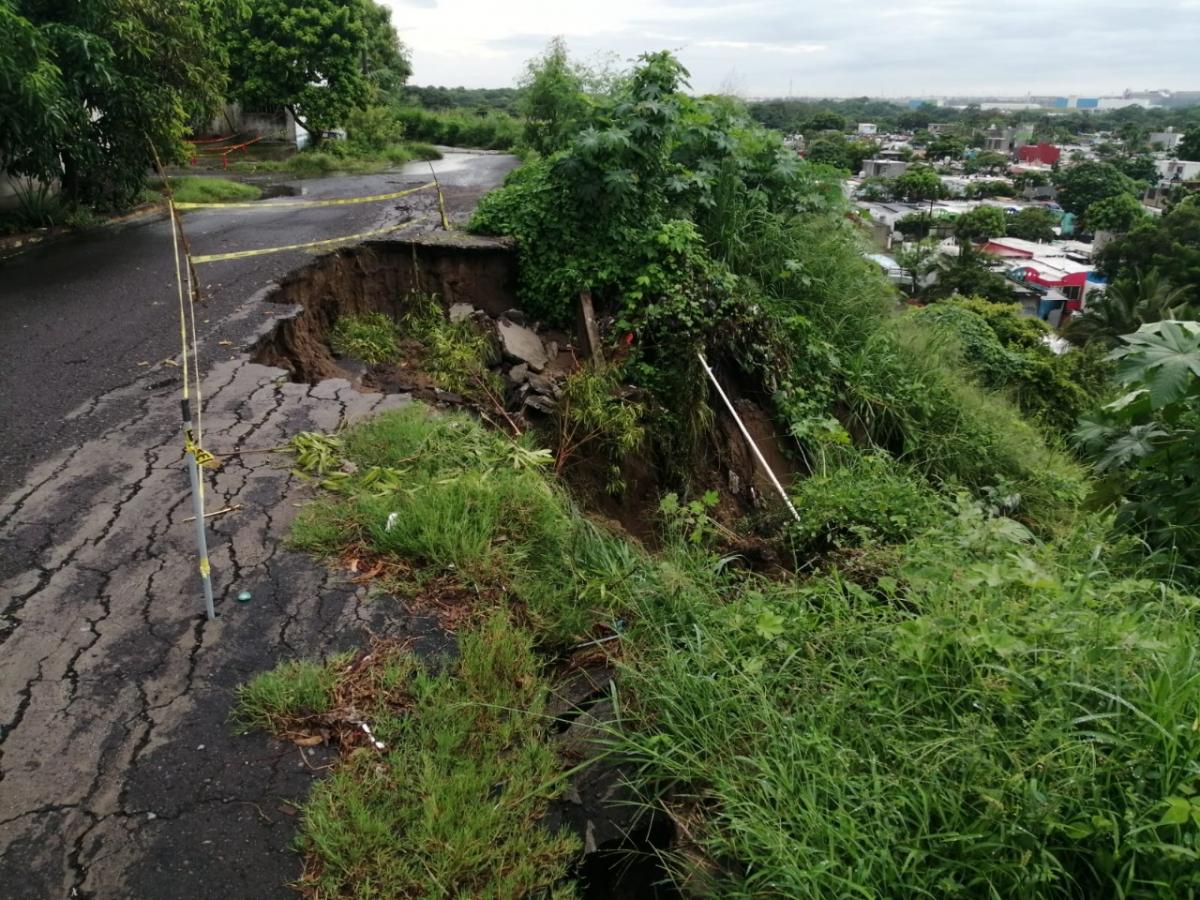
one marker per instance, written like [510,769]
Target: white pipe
[746,434]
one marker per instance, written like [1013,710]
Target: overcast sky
[828,48]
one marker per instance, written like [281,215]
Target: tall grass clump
[448,801]
[440,491]
[1008,720]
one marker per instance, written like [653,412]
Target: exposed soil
[476,279]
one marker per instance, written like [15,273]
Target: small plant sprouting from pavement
[443,797]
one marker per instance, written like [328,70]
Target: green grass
[197,189]
[450,806]
[371,337]
[988,715]
[477,504]
[341,157]
[292,692]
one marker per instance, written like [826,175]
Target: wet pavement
[119,773]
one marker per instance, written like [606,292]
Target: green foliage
[1006,356]
[969,275]
[197,189]
[945,146]
[307,59]
[1032,224]
[1085,183]
[1189,147]
[987,161]
[88,91]
[374,128]
[454,354]
[981,189]
[979,224]
[593,413]
[1128,303]
[919,183]
[491,130]
[968,728]
[1171,245]
[294,691]
[439,491]
[371,337]
[1118,213]
[689,521]
[1148,441]
[450,800]
[863,499]
[552,100]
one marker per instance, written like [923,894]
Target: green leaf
[1179,810]
[769,625]
[1164,356]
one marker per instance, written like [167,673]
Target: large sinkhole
[381,277]
[475,278]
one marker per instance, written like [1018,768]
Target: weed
[197,189]
[455,354]
[593,413]
[448,803]
[371,337]
[277,700]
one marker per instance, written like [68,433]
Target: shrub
[862,499]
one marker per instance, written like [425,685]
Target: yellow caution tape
[203,457]
[205,568]
[242,254]
[301,204]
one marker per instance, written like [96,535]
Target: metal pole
[198,509]
[746,434]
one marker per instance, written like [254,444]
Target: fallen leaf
[308,741]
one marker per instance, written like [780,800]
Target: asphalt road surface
[119,773]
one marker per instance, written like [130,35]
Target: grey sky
[834,47]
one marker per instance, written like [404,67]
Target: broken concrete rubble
[522,345]
[460,311]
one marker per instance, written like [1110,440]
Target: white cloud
[845,47]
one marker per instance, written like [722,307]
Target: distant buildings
[867,128]
[1165,140]
[1042,153]
[884,168]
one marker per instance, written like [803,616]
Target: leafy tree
[1081,185]
[1189,146]
[88,91]
[553,102]
[857,151]
[1119,213]
[1148,442]
[1139,168]
[1170,244]
[1032,224]
[987,161]
[825,120]
[385,59]
[968,275]
[979,224]
[877,188]
[1130,302]
[919,183]
[990,188]
[916,259]
[306,58]
[830,150]
[945,146]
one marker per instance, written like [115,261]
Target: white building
[867,128]
[1165,140]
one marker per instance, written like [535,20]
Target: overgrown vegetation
[192,189]
[443,795]
[971,683]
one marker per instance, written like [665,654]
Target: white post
[746,434]
[198,508]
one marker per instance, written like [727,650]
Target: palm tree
[1129,303]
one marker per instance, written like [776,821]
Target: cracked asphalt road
[119,775]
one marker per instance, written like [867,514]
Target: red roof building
[1046,154]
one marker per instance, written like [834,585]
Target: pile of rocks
[533,364]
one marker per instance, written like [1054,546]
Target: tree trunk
[69,191]
[314,136]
